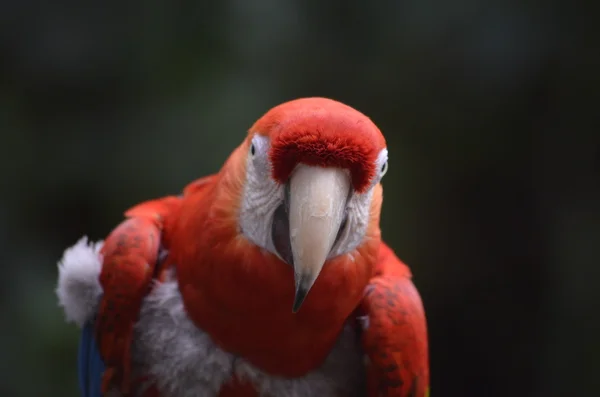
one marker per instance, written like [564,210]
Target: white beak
[317,205]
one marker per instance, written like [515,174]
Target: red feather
[320,131]
[130,255]
[395,339]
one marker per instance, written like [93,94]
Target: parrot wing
[89,364]
[394,332]
[131,258]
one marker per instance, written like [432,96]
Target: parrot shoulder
[79,289]
[395,330]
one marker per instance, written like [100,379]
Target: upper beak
[317,205]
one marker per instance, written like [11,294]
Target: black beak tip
[301,293]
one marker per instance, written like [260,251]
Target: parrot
[268,278]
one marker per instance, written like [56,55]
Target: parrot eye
[384,168]
[258,156]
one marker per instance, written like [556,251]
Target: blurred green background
[492,194]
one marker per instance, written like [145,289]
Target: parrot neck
[244,301]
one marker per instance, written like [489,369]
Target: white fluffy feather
[78,287]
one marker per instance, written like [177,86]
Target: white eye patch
[259,155]
[382,163]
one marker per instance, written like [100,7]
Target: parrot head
[310,190]
[297,202]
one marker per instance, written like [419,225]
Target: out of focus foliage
[492,194]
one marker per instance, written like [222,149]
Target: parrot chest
[183,361]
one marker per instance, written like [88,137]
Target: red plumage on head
[323,132]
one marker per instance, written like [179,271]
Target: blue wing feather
[90,364]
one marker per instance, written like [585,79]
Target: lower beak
[317,205]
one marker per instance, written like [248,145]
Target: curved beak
[317,205]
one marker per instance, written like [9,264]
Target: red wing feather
[395,333]
[130,256]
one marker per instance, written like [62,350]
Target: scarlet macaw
[268,278]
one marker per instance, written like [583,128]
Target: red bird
[268,278]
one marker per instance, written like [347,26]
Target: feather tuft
[79,288]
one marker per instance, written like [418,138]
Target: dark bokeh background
[492,194]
